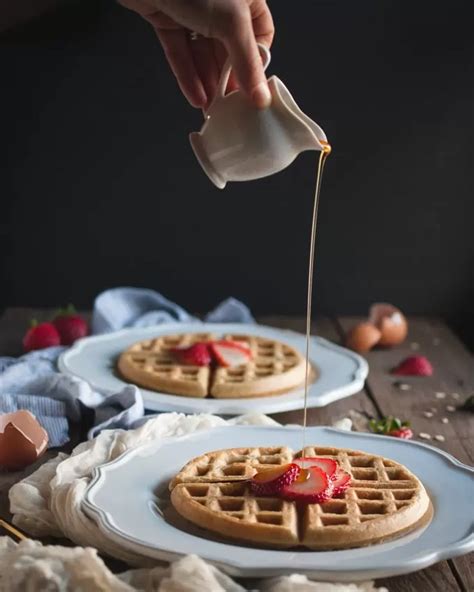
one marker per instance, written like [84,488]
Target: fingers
[206,65]
[248,68]
[178,53]
[221,58]
[236,32]
[262,22]
[175,44]
[138,6]
[234,27]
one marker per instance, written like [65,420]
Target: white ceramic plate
[124,499]
[342,372]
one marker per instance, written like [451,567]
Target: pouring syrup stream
[322,159]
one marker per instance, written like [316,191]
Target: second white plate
[128,500]
[341,372]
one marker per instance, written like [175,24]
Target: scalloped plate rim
[418,561]
[349,385]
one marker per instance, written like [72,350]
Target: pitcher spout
[305,134]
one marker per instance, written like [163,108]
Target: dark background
[100,188]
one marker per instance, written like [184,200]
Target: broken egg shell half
[390,321]
[363,337]
[22,440]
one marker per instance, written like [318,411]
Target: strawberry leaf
[468,404]
[373,424]
[387,425]
[68,311]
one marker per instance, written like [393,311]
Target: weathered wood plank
[436,578]
[453,374]
[464,568]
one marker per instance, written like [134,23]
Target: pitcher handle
[224,79]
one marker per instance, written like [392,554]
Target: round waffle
[274,368]
[385,500]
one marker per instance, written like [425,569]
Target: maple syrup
[322,159]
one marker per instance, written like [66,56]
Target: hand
[225,28]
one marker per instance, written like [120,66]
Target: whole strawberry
[70,325]
[40,336]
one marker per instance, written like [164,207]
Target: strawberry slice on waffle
[228,353]
[312,486]
[271,481]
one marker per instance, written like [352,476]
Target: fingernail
[261,95]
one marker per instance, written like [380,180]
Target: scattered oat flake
[440,395]
[440,438]
[424,436]
[428,414]
[415,345]
[450,408]
[403,386]
[444,420]
[455,395]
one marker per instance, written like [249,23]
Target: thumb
[245,59]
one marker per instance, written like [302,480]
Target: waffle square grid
[384,499]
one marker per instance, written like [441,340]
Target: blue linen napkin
[138,307]
[32,381]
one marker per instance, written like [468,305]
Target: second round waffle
[384,500]
[275,368]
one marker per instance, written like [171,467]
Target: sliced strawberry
[228,354]
[340,482]
[312,486]
[236,344]
[328,465]
[404,432]
[414,366]
[195,355]
[271,481]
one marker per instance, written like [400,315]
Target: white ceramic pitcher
[239,142]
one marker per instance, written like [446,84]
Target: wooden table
[454,373]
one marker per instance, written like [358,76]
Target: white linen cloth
[49,502]
[30,566]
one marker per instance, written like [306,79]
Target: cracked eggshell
[363,337]
[390,321]
[22,440]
